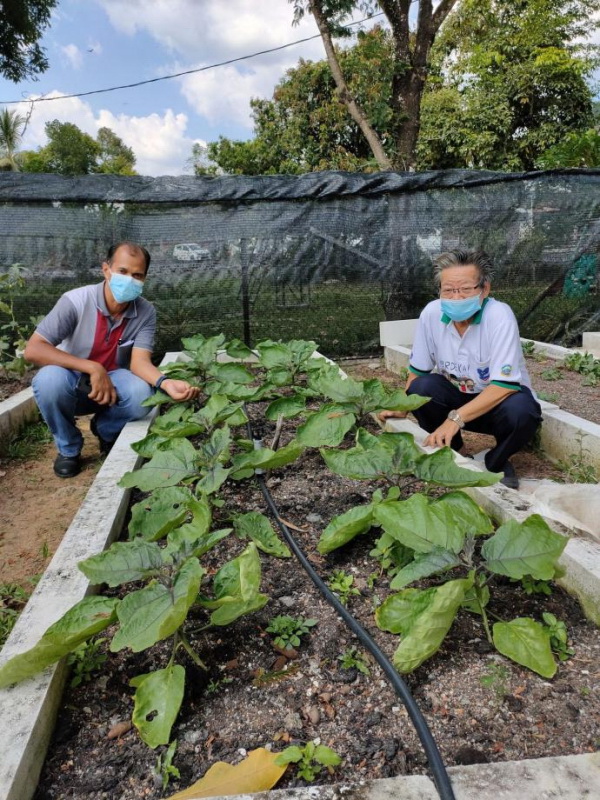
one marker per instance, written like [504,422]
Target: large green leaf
[84,620]
[258,528]
[185,542]
[286,407]
[157,702]
[216,448]
[123,562]
[326,427]
[388,455]
[237,349]
[345,527]
[236,587]
[155,612]
[230,373]
[176,430]
[159,513]
[330,382]
[218,409]
[377,397]
[432,563]
[212,479]
[440,468]
[398,613]
[420,524]
[273,354]
[203,351]
[467,515]
[523,548]
[166,468]
[527,642]
[151,444]
[244,464]
[431,626]
[156,399]
[234,391]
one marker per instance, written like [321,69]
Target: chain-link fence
[323,256]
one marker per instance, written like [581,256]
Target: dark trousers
[512,422]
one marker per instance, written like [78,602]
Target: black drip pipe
[438,770]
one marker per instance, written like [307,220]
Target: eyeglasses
[461,291]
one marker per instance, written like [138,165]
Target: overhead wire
[179,74]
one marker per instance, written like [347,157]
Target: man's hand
[179,390]
[103,391]
[383,415]
[443,435]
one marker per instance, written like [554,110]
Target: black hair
[133,248]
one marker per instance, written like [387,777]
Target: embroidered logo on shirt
[484,374]
[506,369]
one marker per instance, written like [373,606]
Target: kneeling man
[467,358]
[94,348]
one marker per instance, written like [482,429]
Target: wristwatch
[456,417]
[160,381]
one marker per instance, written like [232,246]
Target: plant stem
[486,623]
[191,652]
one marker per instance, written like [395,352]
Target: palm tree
[12,128]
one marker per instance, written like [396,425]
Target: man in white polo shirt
[467,358]
[94,348]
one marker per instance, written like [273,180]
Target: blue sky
[93,44]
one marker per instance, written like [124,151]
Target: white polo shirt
[489,352]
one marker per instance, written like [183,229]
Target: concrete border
[15,412]
[28,710]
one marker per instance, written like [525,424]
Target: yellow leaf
[256,773]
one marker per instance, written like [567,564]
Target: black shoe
[105,446]
[510,476]
[67,466]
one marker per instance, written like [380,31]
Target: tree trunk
[344,93]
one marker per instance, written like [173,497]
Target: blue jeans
[512,422]
[59,400]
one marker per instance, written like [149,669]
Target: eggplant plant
[426,537]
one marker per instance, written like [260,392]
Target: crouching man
[94,348]
[467,358]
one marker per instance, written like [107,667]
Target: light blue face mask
[460,310]
[125,288]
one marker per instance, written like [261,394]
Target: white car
[190,252]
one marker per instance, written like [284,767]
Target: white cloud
[159,142]
[73,54]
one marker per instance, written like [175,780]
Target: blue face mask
[125,288]
[460,310]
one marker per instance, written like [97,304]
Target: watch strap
[160,381]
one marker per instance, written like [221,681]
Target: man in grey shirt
[94,348]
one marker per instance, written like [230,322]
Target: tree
[410,60]
[575,150]
[114,155]
[70,151]
[508,81]
[23,23]
[304,127]
[12,126]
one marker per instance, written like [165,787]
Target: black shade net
[323,256]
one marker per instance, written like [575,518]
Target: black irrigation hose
[438,770]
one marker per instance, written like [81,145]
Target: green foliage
[13,334]
[496,678]
[531,586]
[157,701]
[288,631]
[164,765]
[86,659]
[214,686]
[13,598]
[70,151]
[586,364]
[23,24]
[342,584]
[528,348]
[559,638]
[354,659]
[28,443]
[577,467]
[552,374]
[577,149]
[309,759]
[548,397]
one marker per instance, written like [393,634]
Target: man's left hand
[443,435]
[179,390]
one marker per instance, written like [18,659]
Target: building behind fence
[324,256]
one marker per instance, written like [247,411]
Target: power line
[180,74]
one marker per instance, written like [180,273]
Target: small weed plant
[496,679]
[13,598]
[354,659]
[287,631]
[310,759]
[215,686]
[29,442]
[164,769]
[587,365]
[576,467]
[548,397]
[528,348]
[86,660]
[342,584]
[559,638]
[552,374]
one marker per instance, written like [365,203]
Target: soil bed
[254,696]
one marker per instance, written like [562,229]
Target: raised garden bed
[314,696]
